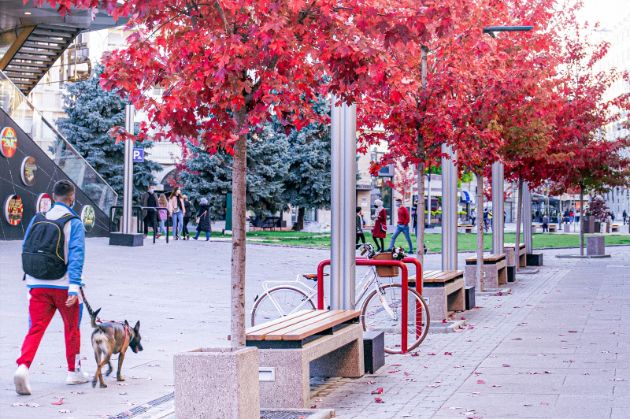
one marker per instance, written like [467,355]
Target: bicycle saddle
[311,277]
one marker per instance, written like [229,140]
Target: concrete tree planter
[217,383]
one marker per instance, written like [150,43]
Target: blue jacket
[74,252]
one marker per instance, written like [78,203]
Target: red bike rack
[404,286]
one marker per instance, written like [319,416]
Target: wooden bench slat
[254,329]
[315,328]
[284,321]
[326,315]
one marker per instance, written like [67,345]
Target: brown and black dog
[112,338]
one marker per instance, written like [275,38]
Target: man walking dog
[52,258]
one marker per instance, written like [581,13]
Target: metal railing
[55,145]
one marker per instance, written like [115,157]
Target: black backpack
[43,255]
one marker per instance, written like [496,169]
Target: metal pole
[127,227]
[497,208]
[527,218]
[449,210]
[429,199]
[343,205]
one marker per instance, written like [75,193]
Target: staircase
[27,62]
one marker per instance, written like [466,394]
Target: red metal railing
[404,289]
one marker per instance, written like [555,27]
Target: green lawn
[466,242]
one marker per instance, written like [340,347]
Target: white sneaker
[20,379]
[77,377]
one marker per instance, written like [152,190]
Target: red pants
[42,306]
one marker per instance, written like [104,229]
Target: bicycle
[380,308]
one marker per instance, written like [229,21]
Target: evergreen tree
[92,112]
[209,175]
[308,182]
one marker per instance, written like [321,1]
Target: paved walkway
[555,347]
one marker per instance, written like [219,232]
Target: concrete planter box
[217,383]
[595,245]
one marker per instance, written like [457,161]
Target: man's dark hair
[358,210]
[63,188]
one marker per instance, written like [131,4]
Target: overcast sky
[607,12]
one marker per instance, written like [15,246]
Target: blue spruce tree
[209,175]
[92,112]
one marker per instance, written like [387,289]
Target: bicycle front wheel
[279,302]
[382,312]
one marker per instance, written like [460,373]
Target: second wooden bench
[443,291]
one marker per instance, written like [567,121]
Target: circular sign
[29,167]
[44,203]
[13,210]
[88,216]
[8,142]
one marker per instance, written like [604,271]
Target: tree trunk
[480,228]
[299,224]
[239,208]
[581,220]
[420,215]
[519,216]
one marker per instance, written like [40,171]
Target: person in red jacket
[402,227]
[379,231]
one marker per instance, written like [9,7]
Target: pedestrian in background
[189,211]
[545,223]
[625,217]
[473,216]
[203,219]
[178,210]
[163,213]
[149,202]
[379,231]
[402,226]
[360,223]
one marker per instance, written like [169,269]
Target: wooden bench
[553,228]
[493,271]
[509,253]
[321,343]
[467,227]
[443,292]
[615,228]
[535,227]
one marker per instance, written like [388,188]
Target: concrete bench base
[445,298]
[508,249]
[493,272]
[336,355]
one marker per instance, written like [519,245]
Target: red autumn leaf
[378,400]
[58,402]
[481,382]
[379,390]
[448,353]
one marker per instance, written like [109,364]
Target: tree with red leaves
[226,66]
[585,160]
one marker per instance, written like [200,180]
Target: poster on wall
[13,210]
[88,216]
[29,167]
[8,142]
[44,202]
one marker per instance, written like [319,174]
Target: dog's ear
[96,312]
[126,323]
[137,326]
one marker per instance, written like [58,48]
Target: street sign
[138,155]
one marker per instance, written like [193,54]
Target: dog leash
[85,301]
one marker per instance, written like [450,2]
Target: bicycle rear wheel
[279,302]
[383,313]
